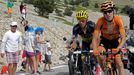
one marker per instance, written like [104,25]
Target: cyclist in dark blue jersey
[83,31]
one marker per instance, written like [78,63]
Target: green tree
[28,1]
[68,11]
[44,7]
[75,2]
[85,3]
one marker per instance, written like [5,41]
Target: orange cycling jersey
[110,30]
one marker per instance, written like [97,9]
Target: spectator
[30,50]
[26,25]
[21,7]
[11,46]
[48,55]
[38,44]
[9,7]
[23,64]
[24,12]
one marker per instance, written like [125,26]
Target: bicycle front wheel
[91,72]
[85,70]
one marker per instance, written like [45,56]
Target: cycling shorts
[109,44]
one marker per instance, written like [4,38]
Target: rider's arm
[122,33]
[74,37]
[92,25]
[96,35]
[95,38]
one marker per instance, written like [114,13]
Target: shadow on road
[62,73]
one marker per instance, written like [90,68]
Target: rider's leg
[101,60]
[120,65]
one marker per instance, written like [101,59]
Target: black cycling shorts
[109,44]
[86,46]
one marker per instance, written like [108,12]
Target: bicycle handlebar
[83,51]
[110,52]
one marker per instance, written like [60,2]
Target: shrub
[125,9]
[96,5]
[68,11]
[14,0]
[44,6]
[85,3]
[58,12]
[28,1]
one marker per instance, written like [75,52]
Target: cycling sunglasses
[14,26]
[82,20]
[109,11]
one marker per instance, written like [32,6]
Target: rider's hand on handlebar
[96,52]
[74,45]
[114,51]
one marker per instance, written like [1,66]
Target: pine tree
[44,7]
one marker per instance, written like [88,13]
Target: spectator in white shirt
[30,49]
[48,55]
[11,46]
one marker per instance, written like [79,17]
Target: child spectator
[48,55]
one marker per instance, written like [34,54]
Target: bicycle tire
[91,72]
[88,70]
[115,72]
[85,69]
[106,72]
[71,69]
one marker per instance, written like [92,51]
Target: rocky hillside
[55,30]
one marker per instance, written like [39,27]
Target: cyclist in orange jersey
[110,29]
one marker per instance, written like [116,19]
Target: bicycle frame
[110,63]
[77,54]
[86,63]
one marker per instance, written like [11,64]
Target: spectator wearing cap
[11,46]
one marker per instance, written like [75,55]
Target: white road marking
[59,66]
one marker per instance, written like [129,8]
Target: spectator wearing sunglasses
[11,46]
[111,29]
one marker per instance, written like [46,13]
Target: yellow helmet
[82,14]
[107,5]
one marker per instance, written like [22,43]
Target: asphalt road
[61,70]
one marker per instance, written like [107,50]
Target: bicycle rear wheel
[115,72]
[71,67]
[107,72]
